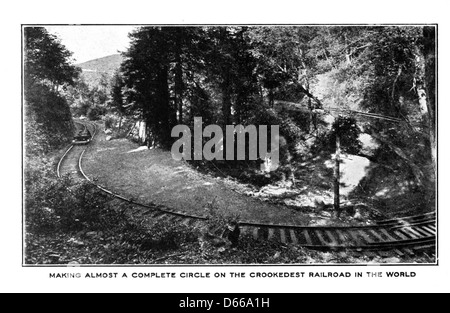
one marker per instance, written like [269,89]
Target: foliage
[117,98]
[48,122]
[86,100]
[220,218]
[174,74]
[59,208]
[161,236]
[95,112]
[348,132]
[59,205]
[230,75]
[46,59]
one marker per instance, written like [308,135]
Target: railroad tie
[330,241]
[307,237]
[408,251]
[293,237]
[365,236]
[356,237]
[255,233]
[419,232]
[385,232]
[411,232]
[399,252]
[343,238]
[319,236]
[424,232]
[429,229]
[271,233]
[378,236]
[282,236]
[333,240]
[401,235]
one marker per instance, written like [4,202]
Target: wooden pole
[337,170]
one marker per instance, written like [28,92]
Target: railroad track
[69,162]
[406,235]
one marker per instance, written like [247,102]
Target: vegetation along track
[406,235]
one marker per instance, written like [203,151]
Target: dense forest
[313,81]
[47,73]
[234,75]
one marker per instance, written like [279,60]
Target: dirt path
[153,176]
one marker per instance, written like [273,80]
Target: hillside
[93,70]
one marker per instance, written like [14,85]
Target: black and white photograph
[230,144]
[228,148]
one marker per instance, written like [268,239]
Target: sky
[92,42]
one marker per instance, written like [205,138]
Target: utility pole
[337,170]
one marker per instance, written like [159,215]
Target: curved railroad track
[69,162]
[406,235]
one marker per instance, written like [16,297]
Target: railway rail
[404,236]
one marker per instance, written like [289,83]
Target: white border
[15,278]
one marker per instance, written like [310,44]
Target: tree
[146,74]
[46,59]
[380,70]
[46,68]
[285,57]
[230,75]
[429,52]
[117,97]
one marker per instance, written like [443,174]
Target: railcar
[81,138]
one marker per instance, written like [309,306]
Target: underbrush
[117,127]
[47,120]
[77,222]
[246,172]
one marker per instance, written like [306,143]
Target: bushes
[59,205]
[161,236]
[79,221]
[95,112]
[220,218]
[118,125]
[110,121]
[348,135]
[48,122]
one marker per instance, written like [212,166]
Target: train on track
[83,137]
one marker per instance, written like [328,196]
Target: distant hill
[93,70]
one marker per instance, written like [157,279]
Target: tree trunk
[337,173]
[226,103]
[120,121]
[271,97]
[309,95]
[429,52]
[164,105]
[179,82]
